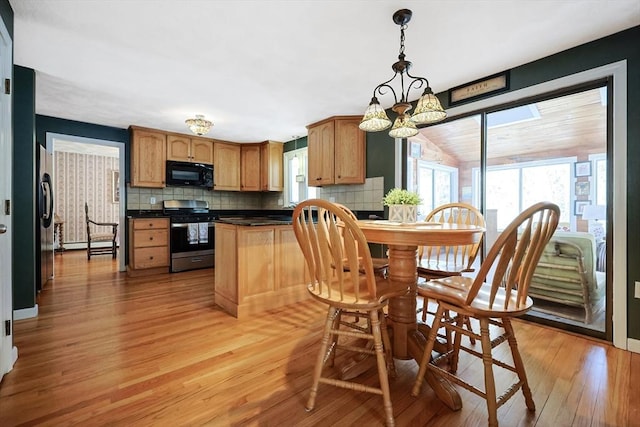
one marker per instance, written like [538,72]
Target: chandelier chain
[402,28]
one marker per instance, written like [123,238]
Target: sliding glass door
[503,160]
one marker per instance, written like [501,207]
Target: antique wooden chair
[445,261]
[94,237]
[330,239]
[497,293]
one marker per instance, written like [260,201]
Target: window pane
[503,189]
[548,183]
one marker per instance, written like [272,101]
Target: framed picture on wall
[582,188]
[579,206]
[582,168]
[115,186]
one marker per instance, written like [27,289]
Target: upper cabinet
[250,167]
[226,170]
[148,157]
[185,149]
[336,149]
[271,169]
[237,167]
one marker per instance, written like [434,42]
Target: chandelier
[199,125]
[428,109]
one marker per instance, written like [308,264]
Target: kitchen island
[259,265]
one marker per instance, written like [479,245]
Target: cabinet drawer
[149,238]
[150,223]
[150,257]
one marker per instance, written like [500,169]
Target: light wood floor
[155,351]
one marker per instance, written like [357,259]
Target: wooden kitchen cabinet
[337,151]
[261,268]
[148,158]
[250,167]
[148,246]
[185,149]
[271,169]
[226,169]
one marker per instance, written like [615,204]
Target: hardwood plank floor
[155,351]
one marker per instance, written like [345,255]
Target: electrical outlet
[280,202]
[152,200]
[637,291]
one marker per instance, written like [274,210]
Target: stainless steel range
[192,239]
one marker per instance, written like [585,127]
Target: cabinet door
[271,172]
[178,148]
[226,169]
[350,152]
[320,151]
[202,151]
[148,158]
[250,167]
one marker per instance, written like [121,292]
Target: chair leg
[489,380]
[334,339]
[519,365]
[391,366]
[324,345]
[382,368]
[425,305]
[426,356]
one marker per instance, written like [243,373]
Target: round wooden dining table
[408,335]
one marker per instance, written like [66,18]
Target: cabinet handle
[150,257]
[150,238]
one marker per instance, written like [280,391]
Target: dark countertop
[255,221]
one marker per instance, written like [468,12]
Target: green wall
[47,124]
[25,221]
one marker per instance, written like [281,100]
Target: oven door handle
[186,224]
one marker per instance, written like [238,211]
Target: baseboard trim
[25,313]
[633,345]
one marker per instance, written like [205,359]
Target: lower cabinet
[260,268]
[149,245]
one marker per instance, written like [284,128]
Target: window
[512,188]
[296,187]
[436,184]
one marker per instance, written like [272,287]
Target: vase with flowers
[403,205]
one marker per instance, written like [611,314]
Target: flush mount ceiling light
[428,109]
[199,125]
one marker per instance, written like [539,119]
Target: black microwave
[189,174]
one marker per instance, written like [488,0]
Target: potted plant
[403,205]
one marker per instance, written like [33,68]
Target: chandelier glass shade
[428,109]
[199,125]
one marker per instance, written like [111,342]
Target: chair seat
[440,268]
[384,291]
[454,290]
[102,237]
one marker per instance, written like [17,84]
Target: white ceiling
[264,69]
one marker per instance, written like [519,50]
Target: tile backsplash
[367,196]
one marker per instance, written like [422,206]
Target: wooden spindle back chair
[330,241]
[497,293]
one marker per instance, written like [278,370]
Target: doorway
[100,164]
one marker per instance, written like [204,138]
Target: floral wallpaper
[80,178]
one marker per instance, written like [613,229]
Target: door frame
[618,265]
[8,352]
[50,144]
